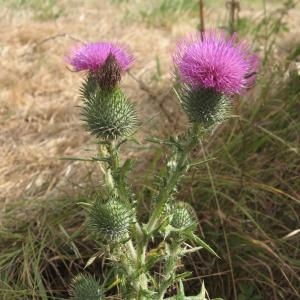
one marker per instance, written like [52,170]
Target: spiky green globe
[204,106]
[86,287]
[183,216]
[111,219]
[107,113]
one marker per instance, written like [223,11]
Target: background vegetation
[247,196]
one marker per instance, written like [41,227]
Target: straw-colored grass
[39,118]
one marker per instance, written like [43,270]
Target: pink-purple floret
[216,62]
[92,56]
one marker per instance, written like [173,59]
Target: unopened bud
[111,219]
[86,287]
[183,216]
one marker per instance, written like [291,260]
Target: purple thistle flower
[91,57]
[216,62]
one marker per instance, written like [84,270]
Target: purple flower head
[92,56]
[216,62]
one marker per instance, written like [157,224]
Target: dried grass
[38,97]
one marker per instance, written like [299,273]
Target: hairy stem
[170,266]
[115,172]
[181,167]
[109,181]
[116,183]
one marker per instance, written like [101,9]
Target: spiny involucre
[214,61]
[106,110]
[86,287]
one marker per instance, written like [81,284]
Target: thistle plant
[210,69]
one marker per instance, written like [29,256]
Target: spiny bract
[108,113]
[86,287]
[111,219]
[204,106]
[183,216]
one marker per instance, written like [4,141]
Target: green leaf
[201,243]
[105,159]
[127,166]
[170,142]
[183,275]
[113,284]
[152,259]
[200,162]
[181,291]
[246,288]
[76,158]
[181,294]
[147,293]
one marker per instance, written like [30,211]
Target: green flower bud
[108,113]
[111,219]
[183,216]
[204,106]
[86,288]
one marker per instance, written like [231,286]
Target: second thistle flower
[211,69]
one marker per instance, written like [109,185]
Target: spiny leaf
[201,243]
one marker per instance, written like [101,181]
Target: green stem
[114,163]
[115,172]
[116,183]
[181,164]
[169,270]
[137,282]
[131,251]
[109,180]
[142,244]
